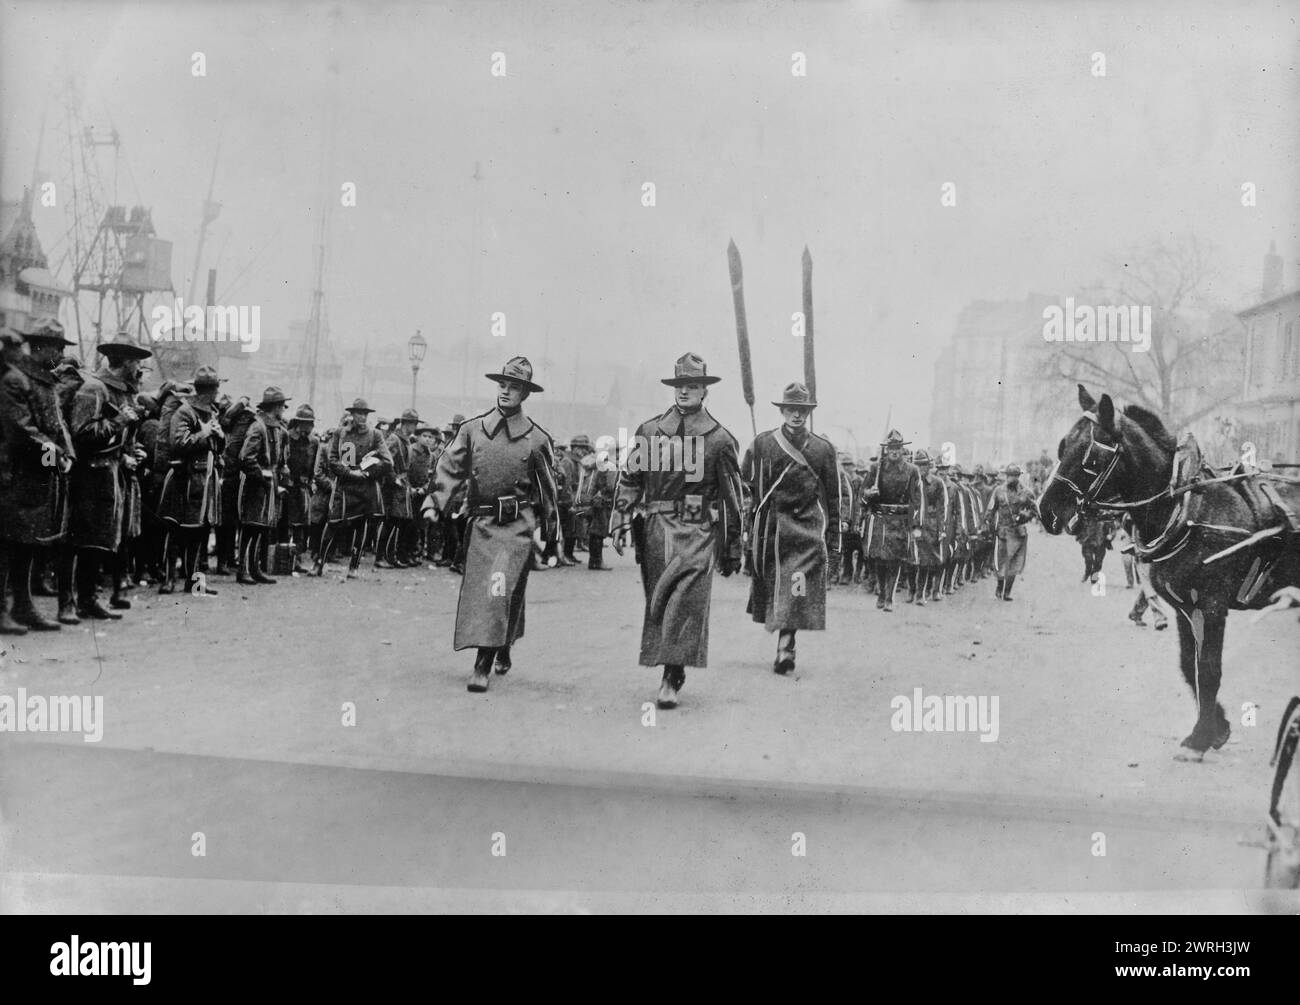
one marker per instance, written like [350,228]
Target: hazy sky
[1055,168]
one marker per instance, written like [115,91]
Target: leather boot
[258,569]
[1006,590]
[34,619]
[501,665]
[95,610]
[673,680]
[1000,582]
[784,654]
[9,626]
[245,574]
[478,683]
[68,613]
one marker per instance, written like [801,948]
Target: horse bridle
[1099,471]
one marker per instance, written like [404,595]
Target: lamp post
[415,348]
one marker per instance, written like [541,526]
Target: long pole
[742,330]
[415,372]
[809,348]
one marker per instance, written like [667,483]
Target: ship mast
[327,195]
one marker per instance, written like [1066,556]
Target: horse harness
[1257,489]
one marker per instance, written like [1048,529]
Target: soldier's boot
[42,582]
[890,588]
[936,584]
[20,578]
[65,566]
[257,559]
[355,564]
[501,663]
[1006,590]
[8,626]
[88,605]
[911,585]
[673,680]
[478,683]
[596,554]
[245,573]
[381,544]
[920,587]
[1000,584]
[784,653]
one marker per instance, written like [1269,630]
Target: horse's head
[1086,461]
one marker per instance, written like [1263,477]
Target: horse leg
[1200,644]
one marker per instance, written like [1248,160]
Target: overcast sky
[1055,169]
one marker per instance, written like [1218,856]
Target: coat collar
[30,368]
[516,425]
[699,423]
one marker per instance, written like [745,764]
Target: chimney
[1272,272]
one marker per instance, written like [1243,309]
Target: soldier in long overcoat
[692,524]
[191,500]
[892,503]
[929,548]
[102,425]
[302,449]
[1011,508]
[263,483]
[594,498]
[795,483]
[397,494]
[36,455]
[358,462]
[848,565]
[506,461]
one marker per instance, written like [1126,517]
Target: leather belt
[892,509]
[494,508]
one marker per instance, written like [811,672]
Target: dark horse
[1114,462]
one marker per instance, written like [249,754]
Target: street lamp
[415,348]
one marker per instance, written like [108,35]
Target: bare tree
[1193,365]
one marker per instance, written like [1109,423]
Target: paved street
[225,718]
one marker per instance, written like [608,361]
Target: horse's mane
[1150,424]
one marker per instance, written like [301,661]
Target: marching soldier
[36,456]
[849,568]
[796,484]
[264,472]
[955,542]
[690,526]
[358,461]
[302,449]
[1011,508]
[929,546]
[597,480]
[506,462]
[190,503]
[893,505]
[453,529]
[397,494]
[567,472]
[102,423]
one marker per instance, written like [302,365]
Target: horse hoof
[1222,738]
[1190,756]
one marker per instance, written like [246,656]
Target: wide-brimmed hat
[410,415]
[921,457]
[272,396]
[895,439]
[47,329]
[183,389]
[359,405]
[304,413]
[206,376]
[796,395]
[424,427]
[518,369]
[123,346]
[580,440]
[1013,471]
[689,369]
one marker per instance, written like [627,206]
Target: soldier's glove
[916,533]
[618,538]
[872,492]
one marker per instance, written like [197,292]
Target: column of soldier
[102,485]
